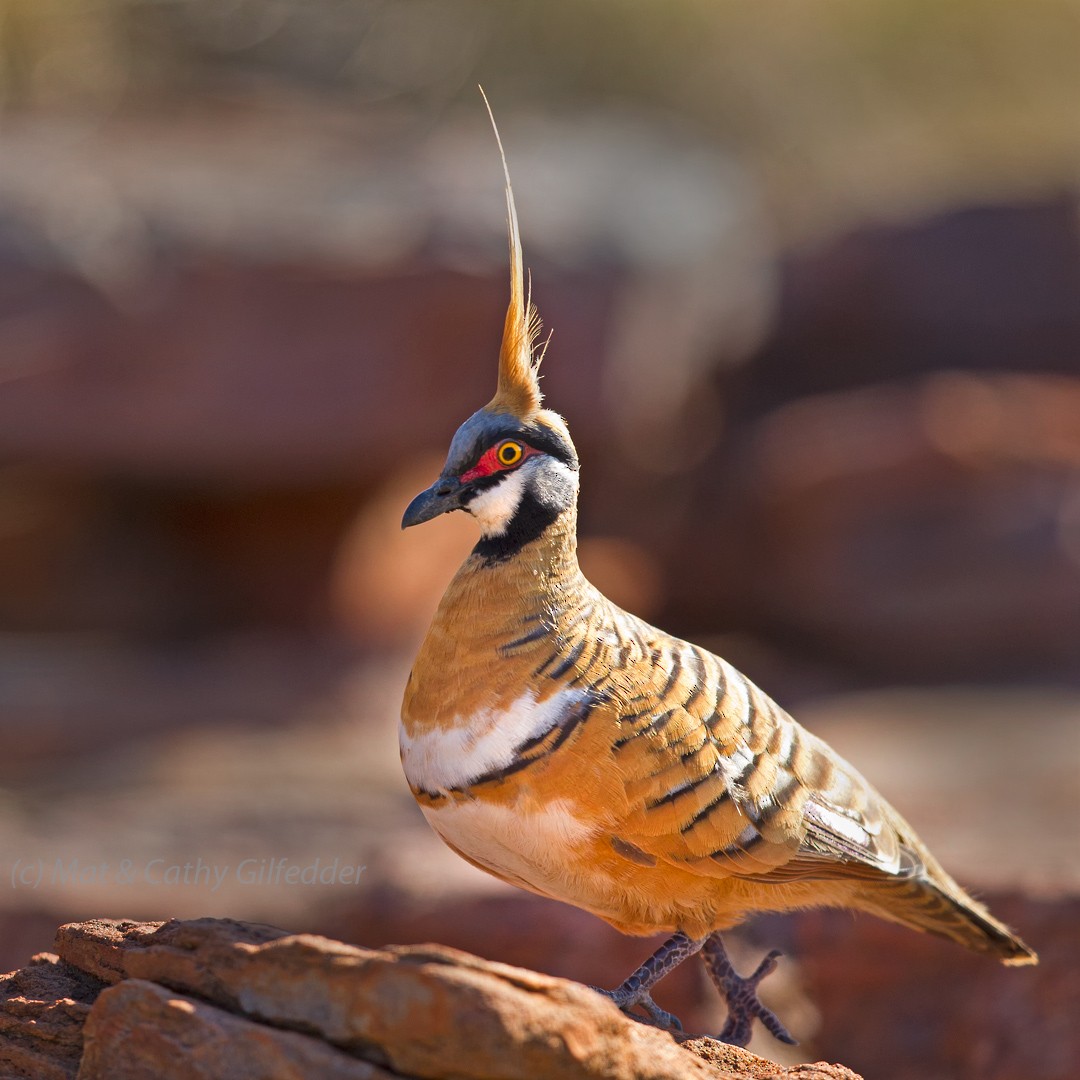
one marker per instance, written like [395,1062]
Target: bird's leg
[634,990]
[740,993]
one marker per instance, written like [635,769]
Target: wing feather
[720,780]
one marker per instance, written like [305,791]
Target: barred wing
[720,779]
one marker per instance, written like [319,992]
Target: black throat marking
[549,493]
[532,519]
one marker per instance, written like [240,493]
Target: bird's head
[512,464]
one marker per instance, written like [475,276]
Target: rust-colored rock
[192,955]
[216,997]
[735,1062]
[42,1011]
[426,1011]
[139,1029]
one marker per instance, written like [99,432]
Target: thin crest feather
[519,389]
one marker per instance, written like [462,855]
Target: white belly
[531,845]
[533,848]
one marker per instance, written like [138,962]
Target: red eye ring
[507,454]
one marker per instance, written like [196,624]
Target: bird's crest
[519,389]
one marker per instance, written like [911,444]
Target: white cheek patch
[495,508]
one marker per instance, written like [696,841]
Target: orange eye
[509,453]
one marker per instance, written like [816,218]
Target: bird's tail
[941,907]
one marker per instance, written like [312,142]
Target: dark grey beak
[444,495]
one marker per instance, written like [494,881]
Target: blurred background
[813,273]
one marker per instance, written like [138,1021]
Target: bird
[573,750]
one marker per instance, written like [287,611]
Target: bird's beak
[444,495]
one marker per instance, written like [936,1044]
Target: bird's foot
[634,991]
[740,993]
[642,999]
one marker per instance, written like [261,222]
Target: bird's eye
[509,453]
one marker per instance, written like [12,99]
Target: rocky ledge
[214,997]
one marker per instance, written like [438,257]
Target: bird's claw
[628,999]
[740,993]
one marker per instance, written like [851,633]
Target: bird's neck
[497,622]
[545,570]
[541,579]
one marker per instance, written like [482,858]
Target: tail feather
[946,910]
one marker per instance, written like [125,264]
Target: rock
[139,1028]
[733,1061]
[561,940]
[217,997]
[42,1011]
[569,943]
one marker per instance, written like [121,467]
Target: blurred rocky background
[813,273]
